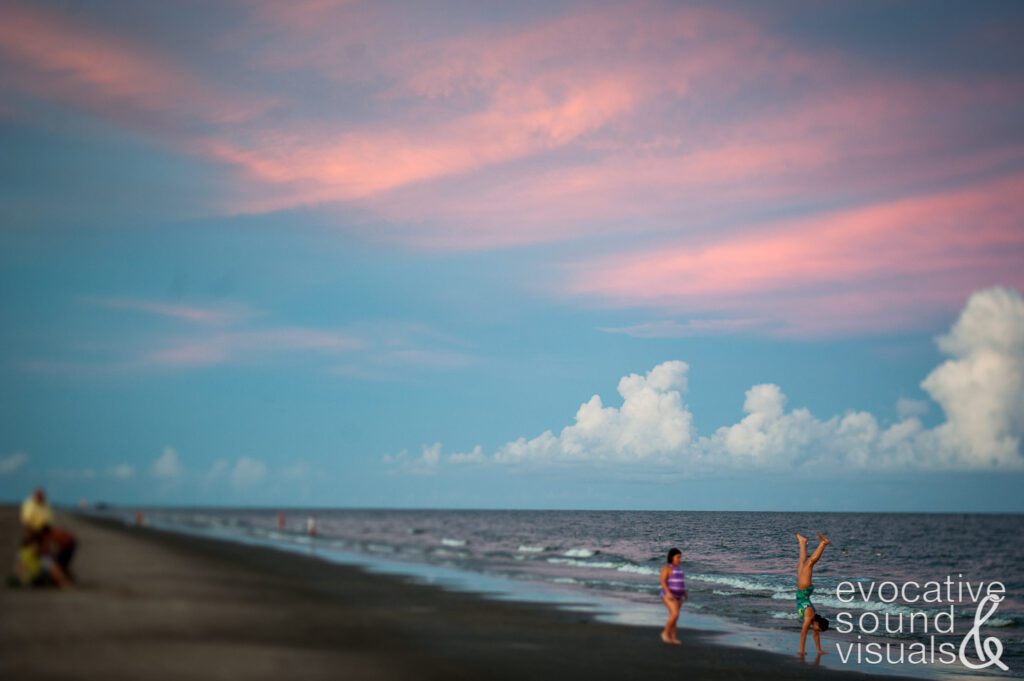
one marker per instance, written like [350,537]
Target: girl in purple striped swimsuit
[673,593]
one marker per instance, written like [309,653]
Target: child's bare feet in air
[800,538]
[823,539]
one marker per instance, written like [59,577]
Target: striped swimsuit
[676,583]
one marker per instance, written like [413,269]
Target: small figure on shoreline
[805,587]
[311,526]
[673,594]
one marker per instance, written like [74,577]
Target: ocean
[740,570]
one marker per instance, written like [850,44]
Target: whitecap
[525,548]
[637,569]
[745,584]
[580,553]
[583,563]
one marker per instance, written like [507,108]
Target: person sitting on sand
[35,567]
[673,593]
[37,522]
[60,544]
[804,608]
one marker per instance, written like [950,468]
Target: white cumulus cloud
[980,390]
[167,465]
[247,471]
[653,422]
[424,464]
[981,387]
[908,408]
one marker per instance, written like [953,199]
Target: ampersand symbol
[989,649]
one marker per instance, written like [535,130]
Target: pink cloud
[364,163]
[464,103]
[477,102]
[869,267]
[856,144]
[89,67]
[649,122]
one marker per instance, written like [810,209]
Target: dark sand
[158,605]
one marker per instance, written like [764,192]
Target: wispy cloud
[677,127]
[221,348]
[85,65]
[694,327]
[603,101]
[216,316]
[11,463]
[239,334]
[878,267]
[122,472]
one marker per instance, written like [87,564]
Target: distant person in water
[673,593]
[804,608]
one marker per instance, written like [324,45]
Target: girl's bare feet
[800,538]
[823,539]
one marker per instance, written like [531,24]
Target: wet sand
[157,605]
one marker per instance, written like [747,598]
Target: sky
[655,255]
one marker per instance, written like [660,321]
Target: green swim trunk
[803,600]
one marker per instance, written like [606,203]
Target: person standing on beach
[805,587]
[673,593]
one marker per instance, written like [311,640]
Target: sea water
[740,567]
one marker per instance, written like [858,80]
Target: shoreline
[188,605]
[604,608]
[607,607]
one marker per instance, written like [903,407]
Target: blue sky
[337,255]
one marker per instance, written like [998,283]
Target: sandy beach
[155,605]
